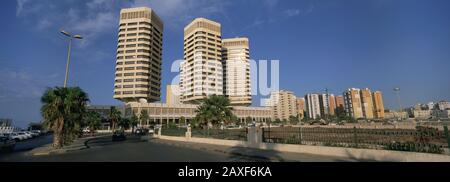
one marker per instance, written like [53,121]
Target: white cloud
[181,11]
[20,5]
[270,3]
[292,12]
[20,84]
[297,12]
[44,24]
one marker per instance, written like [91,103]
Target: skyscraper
[352,103]
[139,51]
[378,105]
[366,103]
[312,106]
[340,111]
[201,69]
[236,67]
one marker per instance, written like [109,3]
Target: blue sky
[333,44]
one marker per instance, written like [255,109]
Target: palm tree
[114,116]
[93,121]
[63,110]
[215,110]
[143,117]
[133,122]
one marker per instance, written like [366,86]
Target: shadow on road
[257,155]
[107,140]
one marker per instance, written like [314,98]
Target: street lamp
[397,91]
[68,54]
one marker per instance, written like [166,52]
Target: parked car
[119,136]
[141,131]
[21,135]
[26,136]
[34,134]
[7,143]
[29,134]
[17,137]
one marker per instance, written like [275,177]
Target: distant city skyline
[320,44]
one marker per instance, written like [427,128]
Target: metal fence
[421,139]
[226,134]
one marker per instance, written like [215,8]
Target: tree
[214,110]
[143,117]
[248,119]
[124,123]
[183,120]
[134,120]
[93,121]
[63,110]
[293,119]
[114,117]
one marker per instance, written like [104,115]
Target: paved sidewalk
[77,144]
[265,155]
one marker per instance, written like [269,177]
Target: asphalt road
[132,150]
[103,149]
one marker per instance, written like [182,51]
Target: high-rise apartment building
[332,104]
[312,103]
[201,69]
[352,103]
[283,104]
[378,105]
[236,67]
[301,107]
[173,95]
[324,104]
[339,101]
[366,103]
[139,52]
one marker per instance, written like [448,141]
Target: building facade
[283,104]
[301,107]
[173,95]
[366,103]
[312,104]
[324,105]
[339,101]
[201,70]
[236,67]
[139,56]
[378,105]
[161,113]
[352,103]
[332,104]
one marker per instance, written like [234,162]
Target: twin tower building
[211,65]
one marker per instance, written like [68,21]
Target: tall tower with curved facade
[139,52]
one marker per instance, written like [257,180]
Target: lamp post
[397,91]
[68,53]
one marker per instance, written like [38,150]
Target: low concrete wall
[359,154]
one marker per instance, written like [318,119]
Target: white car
[35,133]
[18,137]
[29,133]
[26,136]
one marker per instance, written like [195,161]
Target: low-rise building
[164,113]
[421,114]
